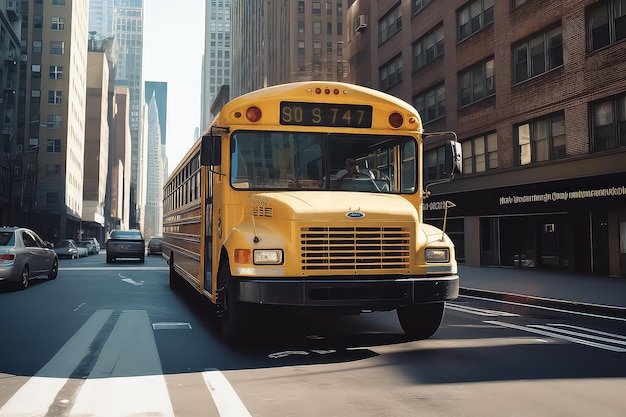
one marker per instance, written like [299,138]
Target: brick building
[536,92]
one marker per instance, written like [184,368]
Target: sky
[173,45]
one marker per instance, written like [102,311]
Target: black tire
[24,279]
[176,280]
[235,317]
[54,271]
[421,321]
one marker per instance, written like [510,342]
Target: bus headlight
[268,257]
[437,255]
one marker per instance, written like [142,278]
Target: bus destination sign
[324,114]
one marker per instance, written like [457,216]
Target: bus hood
[332,206]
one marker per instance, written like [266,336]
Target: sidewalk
[587,293]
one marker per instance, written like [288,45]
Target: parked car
[87,244]
[24,256]
[125,244]
[95,242]
[66,248]
[155,245]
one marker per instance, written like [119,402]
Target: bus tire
[421,321]
[233,314]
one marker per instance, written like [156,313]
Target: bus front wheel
[234,315]
[421,321]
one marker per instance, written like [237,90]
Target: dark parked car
[155,245]
[87,244]
[24,255]
[125,244]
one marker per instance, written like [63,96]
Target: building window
[541,139]
[606,24]
[316,8]
[480,154]
[538,55]
[317,27]
[55,97]
[35,71]
[53,121]
[37,47]
[53,170]
[53,145]
[517,3]
[434,165]
[300,26]
[390,24]
[477,83]
[391,73]
[473,17]
[56,72]
[428,47]
[58,23]
[37,21]
[57,47]
[300,7]
[52,200]
[35,96]
[608,124]
[418,5]
[431,105]
[58,2]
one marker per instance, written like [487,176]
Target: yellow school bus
[308,196]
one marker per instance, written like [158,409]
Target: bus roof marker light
[327,91]
[336,91]
[253,114]
[237,114]
[396,120]
[412,120]
[318,90]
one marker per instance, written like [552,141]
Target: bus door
[211,199]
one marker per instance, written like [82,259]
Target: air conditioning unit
[13,6]
[360,23]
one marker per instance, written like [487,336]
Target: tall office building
[53,97]
[101,18]
[153,219]
[158,89]
[216,59]
[10,27]
[287,42]
[128,31]
[537,96]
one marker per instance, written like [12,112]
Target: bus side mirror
[211,150]
[453,158]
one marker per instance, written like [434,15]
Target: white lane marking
[224,396]
[615,335]
[588,333]
[560,310]
[169,325]
[127,378]
[130,280]
[117,268]
[79,306]
[38,393]
[556,336]
[480,311]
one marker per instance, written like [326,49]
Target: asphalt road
[114,340]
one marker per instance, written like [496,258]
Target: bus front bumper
[365,293]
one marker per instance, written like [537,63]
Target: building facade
[10,58]
[153,220]
[536,93]
[53,101]
[286,42]
[216,59]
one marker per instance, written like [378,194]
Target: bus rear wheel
[421,321]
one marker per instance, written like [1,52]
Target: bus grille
[355,248]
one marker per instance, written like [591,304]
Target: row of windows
[316,7]
[538,140]
[316,27]
[536,55]
[183,188]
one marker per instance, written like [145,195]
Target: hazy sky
[172,52]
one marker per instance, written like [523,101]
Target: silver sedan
[24,255]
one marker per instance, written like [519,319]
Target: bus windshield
[262,160]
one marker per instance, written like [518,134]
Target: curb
[588,308]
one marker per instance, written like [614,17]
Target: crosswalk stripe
[34,398]
[226,400]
